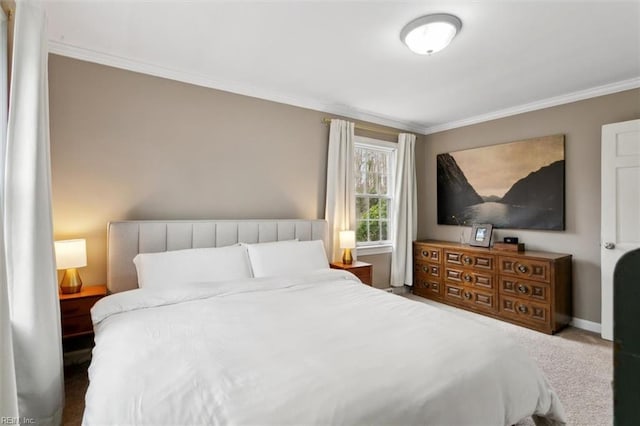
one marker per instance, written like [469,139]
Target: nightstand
[362,270]
[75,310]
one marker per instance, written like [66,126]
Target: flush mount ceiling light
[430,33]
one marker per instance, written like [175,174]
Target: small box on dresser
[528,288]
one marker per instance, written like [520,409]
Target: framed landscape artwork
[516,185]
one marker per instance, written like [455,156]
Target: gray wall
[131,146]
[581,122]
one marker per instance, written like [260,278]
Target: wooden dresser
[529,288]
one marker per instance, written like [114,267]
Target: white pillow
[174,268]
[283,258]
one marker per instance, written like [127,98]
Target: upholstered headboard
[128,238]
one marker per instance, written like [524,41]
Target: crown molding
[91,55]
[94,56]
[607,89]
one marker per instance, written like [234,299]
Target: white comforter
[316,349]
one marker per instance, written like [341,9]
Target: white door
[620,229]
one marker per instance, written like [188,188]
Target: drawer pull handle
[523,289]
[425,253]
[467,278]
[467,295]
[466,260]
[425,285]
[522,269]
[425,269]
[434,270]
[522,309]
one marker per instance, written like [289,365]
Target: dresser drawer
[431,270]
[427,253]
[469,260]
[75,310]
[362,270]
[529,269]
[469,297]
[78,306]
[427,287]
[530,290]
[525,310]
[76,325]
[470,277]
[364,274]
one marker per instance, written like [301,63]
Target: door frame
[608,234]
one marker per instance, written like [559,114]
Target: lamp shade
[348,239]
[431,33]
[71,254]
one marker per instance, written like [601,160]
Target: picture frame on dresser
[481,235]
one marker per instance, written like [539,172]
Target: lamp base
[347,259]
[71,282]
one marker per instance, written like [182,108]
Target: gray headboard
[126,239]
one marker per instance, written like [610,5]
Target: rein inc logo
[17,421]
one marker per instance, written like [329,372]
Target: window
[373,173]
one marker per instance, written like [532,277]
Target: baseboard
[586,325]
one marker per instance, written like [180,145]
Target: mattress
[315,348]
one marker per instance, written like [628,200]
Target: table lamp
[347,242]
[71,254]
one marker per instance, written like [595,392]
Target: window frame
[379,247]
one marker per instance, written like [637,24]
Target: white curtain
[8,393]
[404,212]
[28,228]
[340,207]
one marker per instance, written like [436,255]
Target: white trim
[586,325]
[607,89]
[390,148]
[134,65]
[370,250]
[375,143]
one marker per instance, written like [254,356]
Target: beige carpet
[578,364]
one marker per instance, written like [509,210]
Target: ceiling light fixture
[430,33]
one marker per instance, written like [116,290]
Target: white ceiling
[346,57]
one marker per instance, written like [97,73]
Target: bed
[308,345]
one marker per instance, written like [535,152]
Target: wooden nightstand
[75,310]
[362,270]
